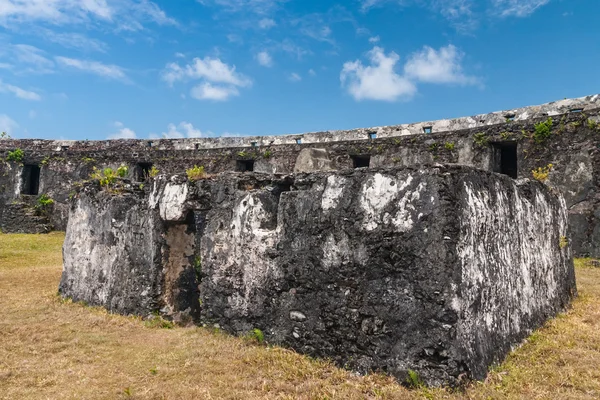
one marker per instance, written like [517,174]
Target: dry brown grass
[55,350]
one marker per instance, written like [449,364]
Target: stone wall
[439,270]
[572,149]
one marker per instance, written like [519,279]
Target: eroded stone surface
[440,269]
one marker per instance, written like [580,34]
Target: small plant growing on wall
[15,155]
[542,131]
[106,177]
[44,200]
[4,135]
[122,171]
[449,146]
[267,154]
[480,139]
[541,174]
[43,205]
[153,173]
[195,173]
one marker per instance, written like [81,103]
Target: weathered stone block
[440,270]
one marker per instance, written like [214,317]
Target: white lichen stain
[378,192]
[333,192]
[335,252]
[508,253]
[244,248]
[172,202]
[403,221]
[90,261]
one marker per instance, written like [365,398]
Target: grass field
[51,349]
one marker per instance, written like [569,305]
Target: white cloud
[264,59]
[220,81]
[312,72]
[208,91]
[20,93]
[94,67]
[123,132]
[183,130]
[381,81]
[377,81]
[290,47]
[374,39]
[438,66]
[127,14]
[317,26]
[233,38]
[464,15]
[518,8]
[294,77]
[266,23]
[210,69]
[33,60]
[75,41]
[255,6]
[7,124]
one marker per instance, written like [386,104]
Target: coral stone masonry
[439,269]
[564,134]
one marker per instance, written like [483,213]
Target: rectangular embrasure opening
[31,180]
[142,171]
[245,165]
[506,159]
[362,161]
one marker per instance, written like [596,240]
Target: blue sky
[95,69]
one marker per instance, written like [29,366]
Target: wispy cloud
[76,41]
[381,80]
[266,23]
[264,59]
[254,6]
[220,81]
[30,58]
[517,8]
[131,14]
[93,67]
[294,77]
[7,124]
[122,132]
[465,15]
[19,92]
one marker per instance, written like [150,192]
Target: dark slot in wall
[30,180]
[506,159]
[142,171]
[362,161]
[245,165]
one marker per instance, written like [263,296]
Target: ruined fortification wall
[440,270]
[486,141]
